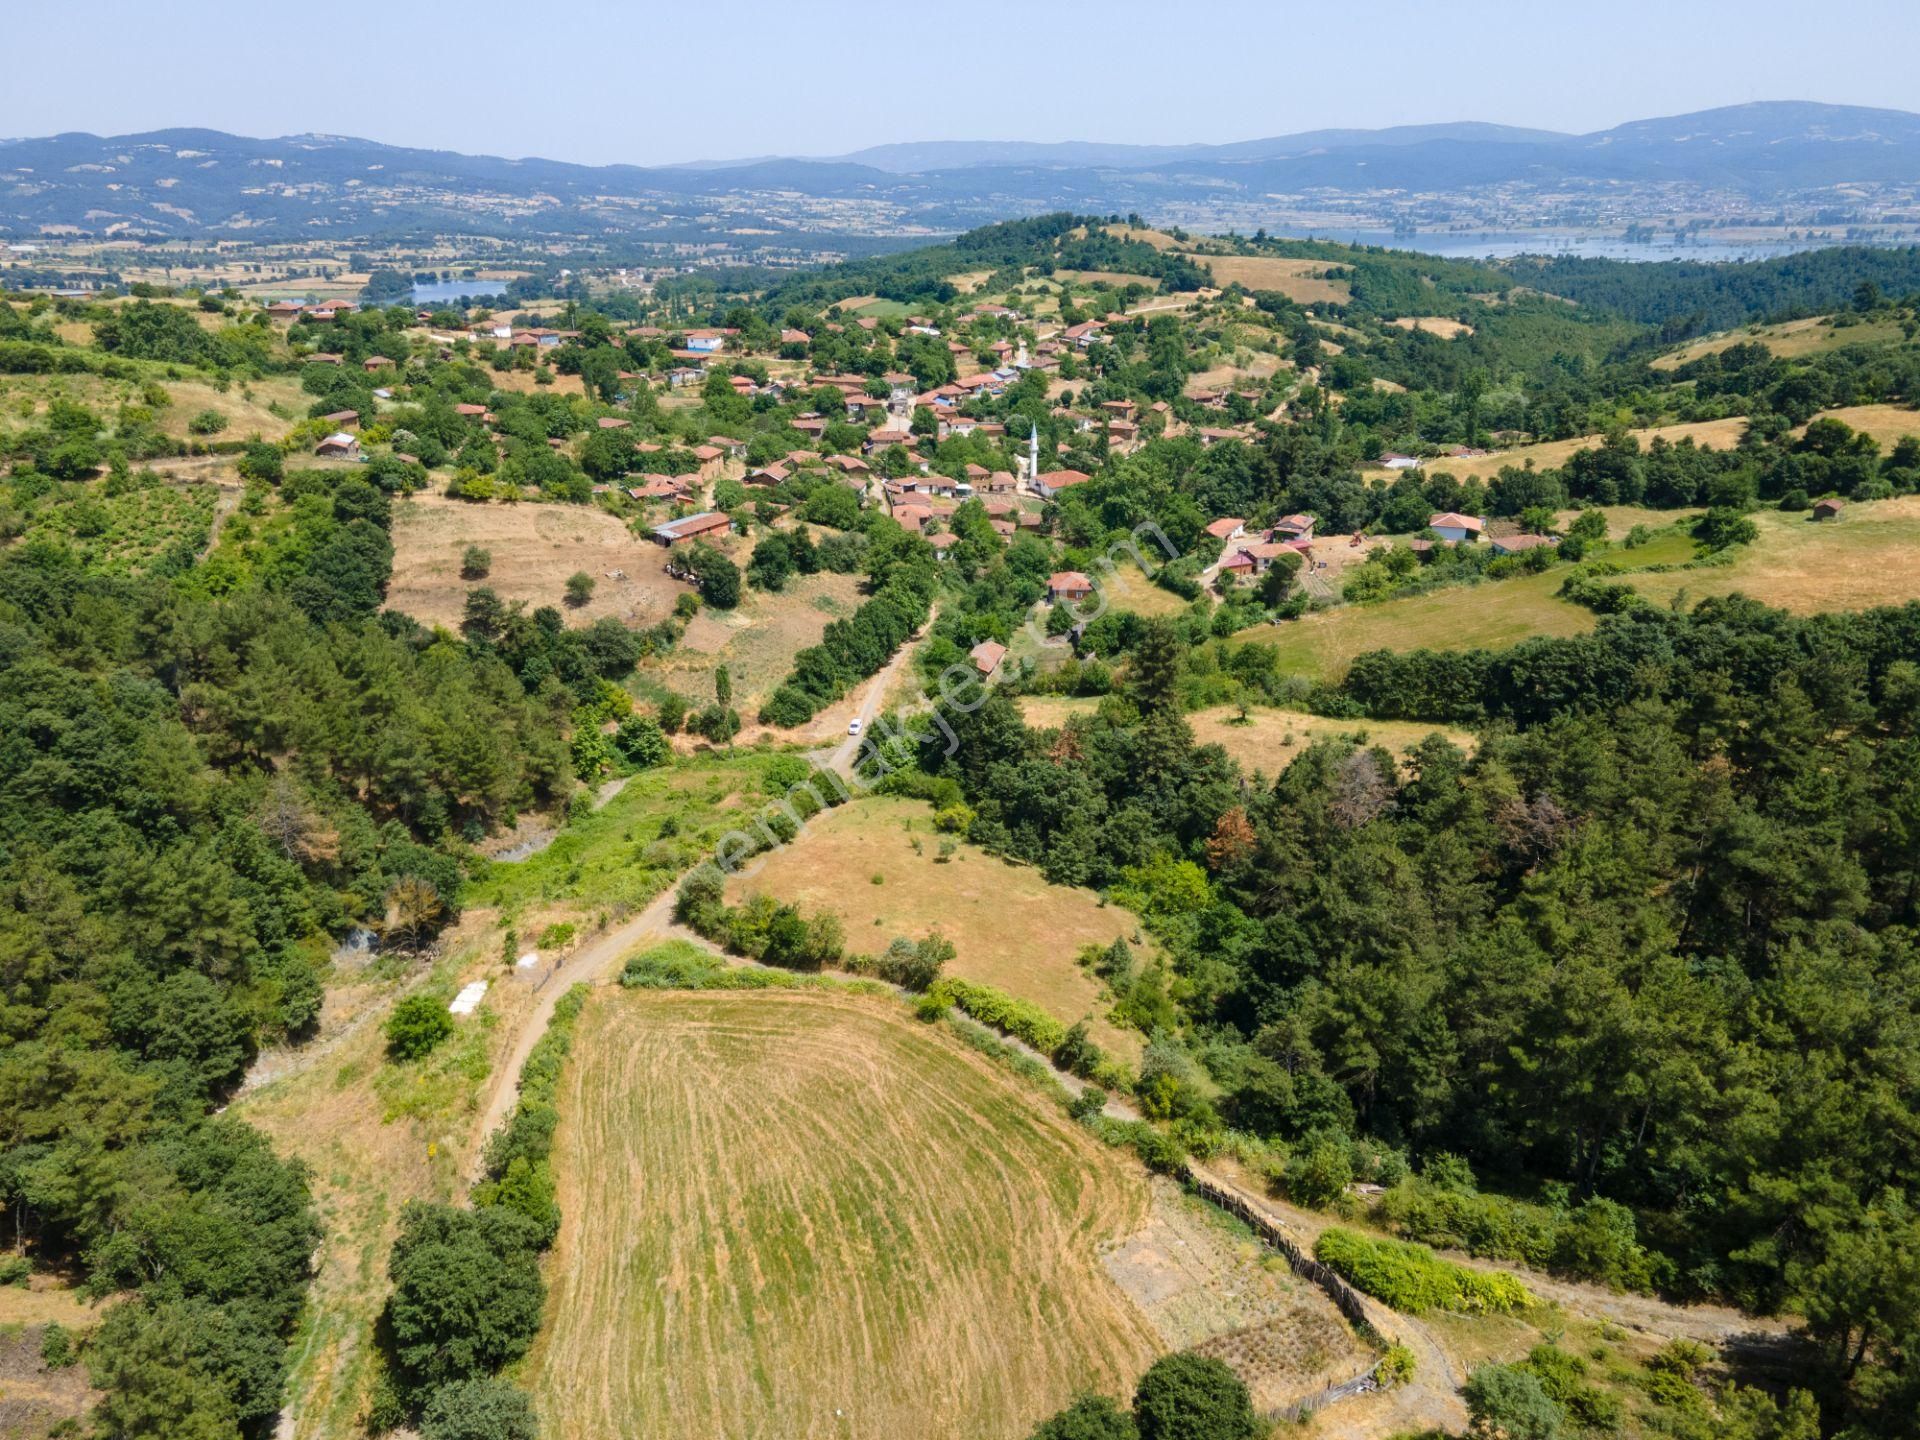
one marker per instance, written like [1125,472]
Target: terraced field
[801,1215]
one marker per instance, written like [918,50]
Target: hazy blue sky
[595,81]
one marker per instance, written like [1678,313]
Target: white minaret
[1033,454]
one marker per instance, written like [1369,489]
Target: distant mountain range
[204,183]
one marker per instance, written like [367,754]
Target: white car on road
[853,726]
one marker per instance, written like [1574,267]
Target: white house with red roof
[1455,528]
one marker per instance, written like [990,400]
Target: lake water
[1488,245]
[439,291]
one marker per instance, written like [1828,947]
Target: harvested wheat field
[1305,282]
[1012,928]
[1870,556]
[797,1215]
[534,549]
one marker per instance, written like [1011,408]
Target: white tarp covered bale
[468,1000]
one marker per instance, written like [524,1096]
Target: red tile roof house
[341,446]
[1259,557]
[659,487]
[472,411]
[1083,334]
[709,457]
[1050,483]
[913,516]
[1239,562]
[706,525]
[1455,528]
[1068,585]
[733,447]
[1293,527]
[284,309]
[342,419]
[1518,544]
[774,474]
[612,422]
[942,542]
[987,655]
[1828,509]
[376,362]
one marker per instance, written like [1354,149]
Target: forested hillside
[1649,953]
[196,797]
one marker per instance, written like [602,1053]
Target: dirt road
[594,963]
[848,750]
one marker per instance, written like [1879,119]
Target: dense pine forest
[1648,951]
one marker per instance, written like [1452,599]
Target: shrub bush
[418,1024]
[1413,1280]
[1020,1018]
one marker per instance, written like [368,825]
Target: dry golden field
[756,641]
[1551,454]
[1306,282]
[1870,556]
[1270,739]
[1439,325]
[802,1215]
[1789,340]
[534,548]
[1010,927]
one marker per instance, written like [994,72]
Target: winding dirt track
[594,963]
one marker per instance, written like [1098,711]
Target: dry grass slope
[810,1216]
[1305,282]
[1012,929]
[534,548]
[1870,556]
[1272,738]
